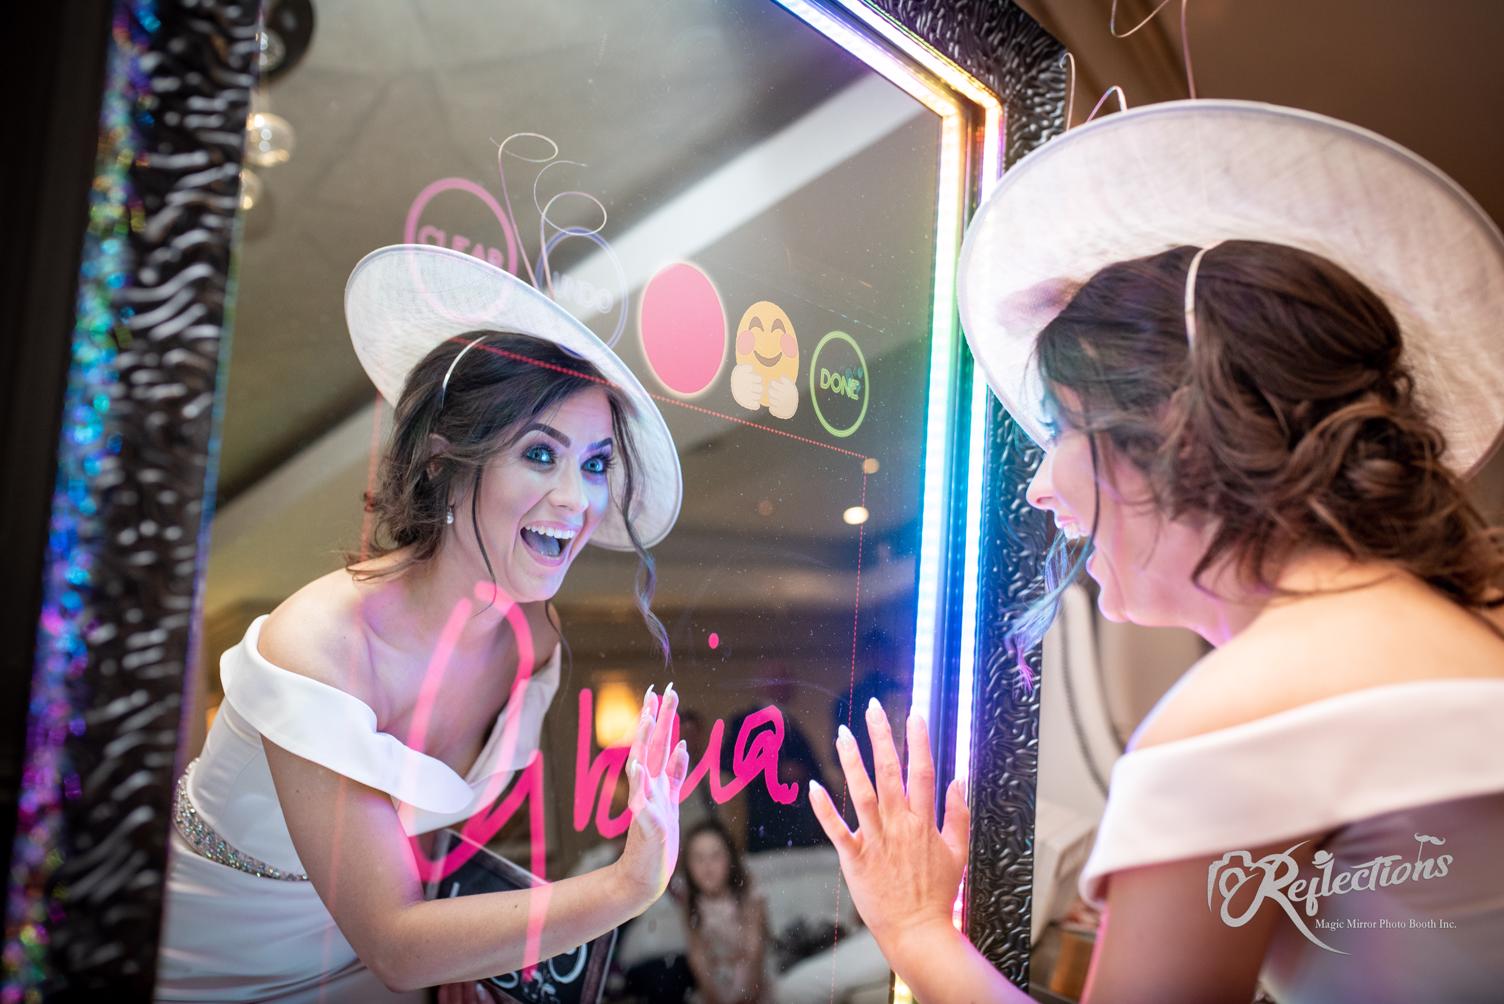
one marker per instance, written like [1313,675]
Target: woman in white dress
[1260,351]
[401,694]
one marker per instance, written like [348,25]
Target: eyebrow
[550,430]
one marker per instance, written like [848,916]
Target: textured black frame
[111,846]
[114,841]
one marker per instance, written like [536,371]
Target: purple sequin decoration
[87,446]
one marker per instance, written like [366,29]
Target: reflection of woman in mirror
[399,695]
[726,919]
[1263,436]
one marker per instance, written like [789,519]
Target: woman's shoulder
[320,632]
[1328,647]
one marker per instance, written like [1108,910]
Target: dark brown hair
[506,381]
[736,874]
[1292,423]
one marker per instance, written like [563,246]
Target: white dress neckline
[338,730]
[1305,769]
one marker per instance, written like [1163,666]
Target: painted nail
[872,705]
[668,690]
[843,735]
[817,786]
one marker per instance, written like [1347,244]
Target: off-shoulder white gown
[240,922]
[1380,769]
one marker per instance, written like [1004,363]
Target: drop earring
[449,515]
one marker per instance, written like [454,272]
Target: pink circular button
[683,328]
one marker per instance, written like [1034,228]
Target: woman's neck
[421,601]
[1219,619]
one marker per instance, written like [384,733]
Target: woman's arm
[351,843]
[1159,941]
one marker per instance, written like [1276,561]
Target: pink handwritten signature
[755,752]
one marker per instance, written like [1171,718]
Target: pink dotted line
[856,607]
[756,425]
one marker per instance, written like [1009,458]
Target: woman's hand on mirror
[655,776]
[903,872]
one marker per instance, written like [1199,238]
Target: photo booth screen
[746,213]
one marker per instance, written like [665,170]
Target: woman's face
[542,497]
[1142,563]
[709,863]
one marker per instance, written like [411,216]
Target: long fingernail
[817,786]
[872,705]
[668,690]
[843,735]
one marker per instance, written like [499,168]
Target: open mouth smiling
[548,542]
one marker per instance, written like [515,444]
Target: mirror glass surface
[686,179]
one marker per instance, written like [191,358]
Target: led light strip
[877,58]
[954,76]
[975,475]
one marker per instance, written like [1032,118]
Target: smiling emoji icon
[767,361]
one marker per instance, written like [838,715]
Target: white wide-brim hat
[1198,172]
[402,301]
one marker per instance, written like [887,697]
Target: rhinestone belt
[207,842]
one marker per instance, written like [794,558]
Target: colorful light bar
[938,470]
[975,476]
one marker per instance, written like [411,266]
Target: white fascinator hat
[404,300]
[1200,172]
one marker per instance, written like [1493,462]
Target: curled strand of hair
[646,579]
